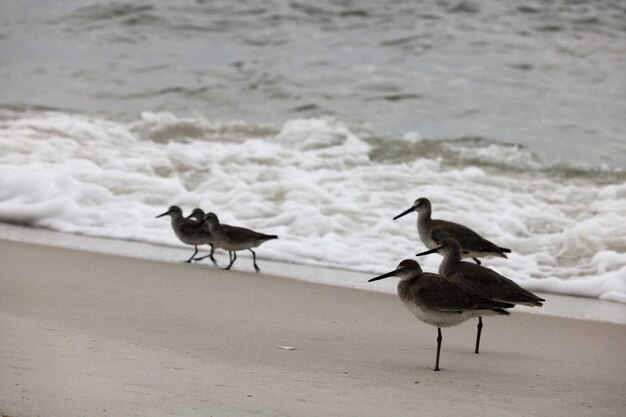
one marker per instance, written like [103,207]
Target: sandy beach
[86,334]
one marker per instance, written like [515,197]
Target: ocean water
[328,190]
[321,121]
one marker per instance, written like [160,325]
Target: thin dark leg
[194,254]
[210,255]
[230,260]
[256,268]
[232,256]
[439,338]
[479,327]
[476,260]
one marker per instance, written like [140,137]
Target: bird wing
[445,294]
[467,238]
[243,234]
[189,228]
[493,285]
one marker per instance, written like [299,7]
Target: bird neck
[407,288]
[423,217]
[177,218]
[213,226]
[451,258]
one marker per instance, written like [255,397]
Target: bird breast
[438,318]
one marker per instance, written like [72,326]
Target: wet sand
[99,334]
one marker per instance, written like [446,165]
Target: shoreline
[89,333]
[558,305]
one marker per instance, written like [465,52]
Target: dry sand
[87,334]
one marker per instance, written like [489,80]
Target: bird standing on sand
[440,301]
[480,279]
[234,239]
[432,232]
[198,215]
[186,231]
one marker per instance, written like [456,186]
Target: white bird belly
[439,318]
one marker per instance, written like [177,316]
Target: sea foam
[328,189]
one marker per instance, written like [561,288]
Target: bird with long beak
[233,239]
[198,215]
[186,231]
[439,301]
[480,279]
[433,231]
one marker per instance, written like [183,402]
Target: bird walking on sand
[233,239]
[198,215]
[186,231]
[440,301]
[480,279]
[432,232]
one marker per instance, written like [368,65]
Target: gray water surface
[545,74]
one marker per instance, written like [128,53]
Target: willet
[185,229]
[439,301]
[198,215]
[233,239]
[482,280]
[432,232]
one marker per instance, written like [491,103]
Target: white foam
[314,183]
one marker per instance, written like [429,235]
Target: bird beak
[404,213]
[383,276]
[428,252]
[164,214]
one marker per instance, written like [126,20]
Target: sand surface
[87,334]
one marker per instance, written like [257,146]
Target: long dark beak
[428,252]
[161,215]
[383,276]
[200,223]
[404,213]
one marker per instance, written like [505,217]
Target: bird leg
[232,256]
[256,268]
[439,338]
[479,327]
[476,260]
[194,254]
[210,255]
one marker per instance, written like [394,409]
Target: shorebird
[432,232]
[440,301]
[482,280]
[186,231]
[234,239]
[198,215]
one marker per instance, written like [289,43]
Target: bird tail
[533,303]
[505,250]
[269,237]
[501,312]
[527,298]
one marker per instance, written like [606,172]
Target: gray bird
[233,239]
[198,215]
[440,301]
[482,280]
[432,232]
[186,231]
